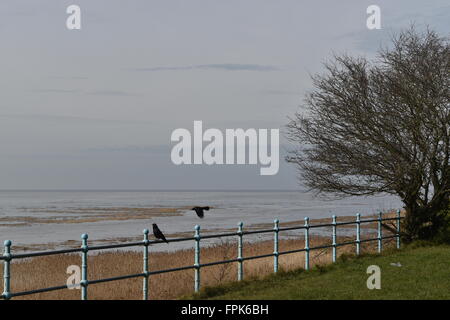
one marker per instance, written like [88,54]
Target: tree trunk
[423,223]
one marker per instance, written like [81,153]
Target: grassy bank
[424,274]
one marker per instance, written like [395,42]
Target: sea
[26,217]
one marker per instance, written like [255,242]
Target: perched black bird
[158,234]
[199,211]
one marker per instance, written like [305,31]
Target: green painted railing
[8,257]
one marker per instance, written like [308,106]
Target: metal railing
[146,273]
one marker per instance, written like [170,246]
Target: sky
[95,108]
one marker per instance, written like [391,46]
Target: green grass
[424,274]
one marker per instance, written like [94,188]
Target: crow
[158,234]
[199,211]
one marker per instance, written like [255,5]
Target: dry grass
[49,271]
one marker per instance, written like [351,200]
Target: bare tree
[382,126]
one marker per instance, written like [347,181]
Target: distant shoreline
[152,190]
[36,218]
[366,229]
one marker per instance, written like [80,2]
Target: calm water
[229,209]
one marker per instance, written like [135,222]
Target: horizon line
[150,190]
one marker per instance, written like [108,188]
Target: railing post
[84,258]
[358,234]
[7,271]
[146,275]
[275,245]
[398,229]
[380,234]
[306,243]
[334,239]
[197,259]
[240,261]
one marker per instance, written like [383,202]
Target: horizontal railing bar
[141,243]
[325,246]
[367,240]
[173,240]
[231,234]
[346,243]
[258,257]
[384,219]
[292,251]
[257,231]
[44,253]
[208,264]
[291,228]
[24,293]
[130,276]
[371,220]
[390,237]
[115,246]
[344,223]
[137,275]
[322,225]
[171,270]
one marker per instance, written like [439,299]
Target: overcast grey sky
[95,108]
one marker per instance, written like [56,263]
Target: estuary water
[34,219]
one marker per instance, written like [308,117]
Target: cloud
[69,77]
[60,118]
[132,149]
[116,93]
[56,91]
[219,66]
[282,92]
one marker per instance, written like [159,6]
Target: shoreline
[366,228]
[55,220]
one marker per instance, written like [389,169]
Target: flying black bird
[199,211]
[158,234]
